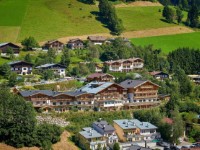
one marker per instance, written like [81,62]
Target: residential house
[141,94]
[134,130]
[109,94]
[97,40]
[75,44]
[159,75]
[58,69]
[21,67]
[91,139]
[4,47]
[195,78]
[125,65]
[54,44]
[49,100]
[98,67]
[100,77]
[105,129]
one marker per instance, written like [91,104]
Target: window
[24,68]
[61,103]
[54,103]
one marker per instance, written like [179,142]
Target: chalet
[134,130]
[105,129]
[75,44]
[100,77]
[91,139]
[125,65]
[105,91]
[98,67]
[21,67]
[58,101]
[4,47]
[141,93]
[97,40]
[54,44]
[57,68]
[159,75]
[195,78]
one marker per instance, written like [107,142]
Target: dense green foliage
[189,64]
[18,123]
[29,43]
[108,14]
[87,118]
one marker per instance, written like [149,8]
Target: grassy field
[170,42]
[50,19]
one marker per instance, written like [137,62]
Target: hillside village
[101,88]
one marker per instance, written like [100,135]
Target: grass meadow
[50,19]
[169,43]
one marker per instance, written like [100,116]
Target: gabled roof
[104,125]
[34,92]
[89,133]
[52,41]
[74,40]
[96,87]
[49,66]
[153,73]
[98,75]
[4,44]
[123,60]
[134,83]
[97,38]
[134,123]
[18,62]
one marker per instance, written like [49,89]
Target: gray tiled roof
[134,123]
[48,65]
[104,125]
[95,87]
[89,133]
[2,44]
[136,147]
[132,83]
[33,92]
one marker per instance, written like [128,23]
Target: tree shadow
[163,20]
[100,19]
[85,2]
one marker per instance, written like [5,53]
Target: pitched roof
[153,73]
[134,123]
[104,125]
[134,83]
[98,75]
[97,38]
[90,133]
[95,87]
[74,40]
[3,44]
[34,92]
[49,65]
[52,41]
[19,61]
[122,60]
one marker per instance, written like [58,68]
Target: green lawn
[51,19]
[169,43]
[140,18]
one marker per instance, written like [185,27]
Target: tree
[65,58]
[27,58]
[10,53]
[17,120]
[5,70]
[12,80]
[169,14]
[179,15]
[48,74]
[51,55]
[193,17]
[116,146]
[29,43]
[177,126]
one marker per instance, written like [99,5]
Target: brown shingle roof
[97,38]
[97,75]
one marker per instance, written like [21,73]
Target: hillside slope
[50,19]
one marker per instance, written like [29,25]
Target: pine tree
[193,17]
[179,15]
